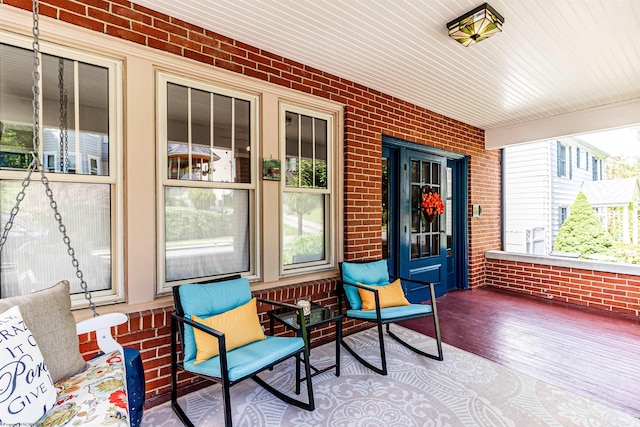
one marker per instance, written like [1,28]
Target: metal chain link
[36,76]
[64,122]
[66,239]
[37,165]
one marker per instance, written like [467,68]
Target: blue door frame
[404,235]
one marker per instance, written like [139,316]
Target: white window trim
[329,260]
[116,162]
[162,79]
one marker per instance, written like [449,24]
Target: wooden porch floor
[592,353]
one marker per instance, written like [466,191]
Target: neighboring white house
[541,181]
[616,200]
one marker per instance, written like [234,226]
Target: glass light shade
[479,24]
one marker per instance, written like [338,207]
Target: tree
[16,142]
[582,232]
[300,204]
[622,167]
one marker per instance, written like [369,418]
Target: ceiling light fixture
[479,24]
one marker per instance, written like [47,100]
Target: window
[562,215]
[578,158]
[306,194]
[207,176]
[595,169]
[80,106]
[562,159]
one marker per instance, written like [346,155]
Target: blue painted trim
[393,144]
[462,264]
[393,141]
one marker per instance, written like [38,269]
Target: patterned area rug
[462,390]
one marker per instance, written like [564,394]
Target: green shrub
[183,223]
[582,232]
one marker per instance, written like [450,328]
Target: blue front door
[417,247]
[423,246]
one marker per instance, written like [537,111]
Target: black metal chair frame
[177,327]
[379,321]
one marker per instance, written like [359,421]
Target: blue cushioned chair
[228,368]
[375,273]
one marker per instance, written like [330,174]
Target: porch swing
[50,334]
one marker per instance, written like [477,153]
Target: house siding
[369,114]
[527,188]
[534,192]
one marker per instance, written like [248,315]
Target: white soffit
[553,58]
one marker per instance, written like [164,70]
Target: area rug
[462,390]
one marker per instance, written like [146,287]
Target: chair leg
[297,373]
[383,358]
[226,401]
[310,406]
[174,378]
[439,356]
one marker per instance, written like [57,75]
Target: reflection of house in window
[94,165]
[86,153]
[202,159]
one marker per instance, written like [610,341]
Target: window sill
[161,302]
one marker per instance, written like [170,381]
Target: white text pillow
[26,389]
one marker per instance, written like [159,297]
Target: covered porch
[581,350]
[521,311]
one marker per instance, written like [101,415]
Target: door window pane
[386,202]
[425,231]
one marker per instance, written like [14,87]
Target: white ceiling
[554,57]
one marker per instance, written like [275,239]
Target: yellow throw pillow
[390,295]
[240,326]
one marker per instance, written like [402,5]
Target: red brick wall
[369,115]
[614,292]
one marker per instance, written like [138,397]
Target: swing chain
[65,237]
[37,165]
[36,77]
[64,135]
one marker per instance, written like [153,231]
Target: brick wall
[615,292]
[368,115]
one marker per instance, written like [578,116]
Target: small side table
[320,315]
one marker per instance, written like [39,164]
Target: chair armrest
[218,335]
[206,329]
[301,320]
[355,285]
[278,303]
[421,282]
[405,279]
[101,325]
[370,289]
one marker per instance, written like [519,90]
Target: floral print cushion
[95,396]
